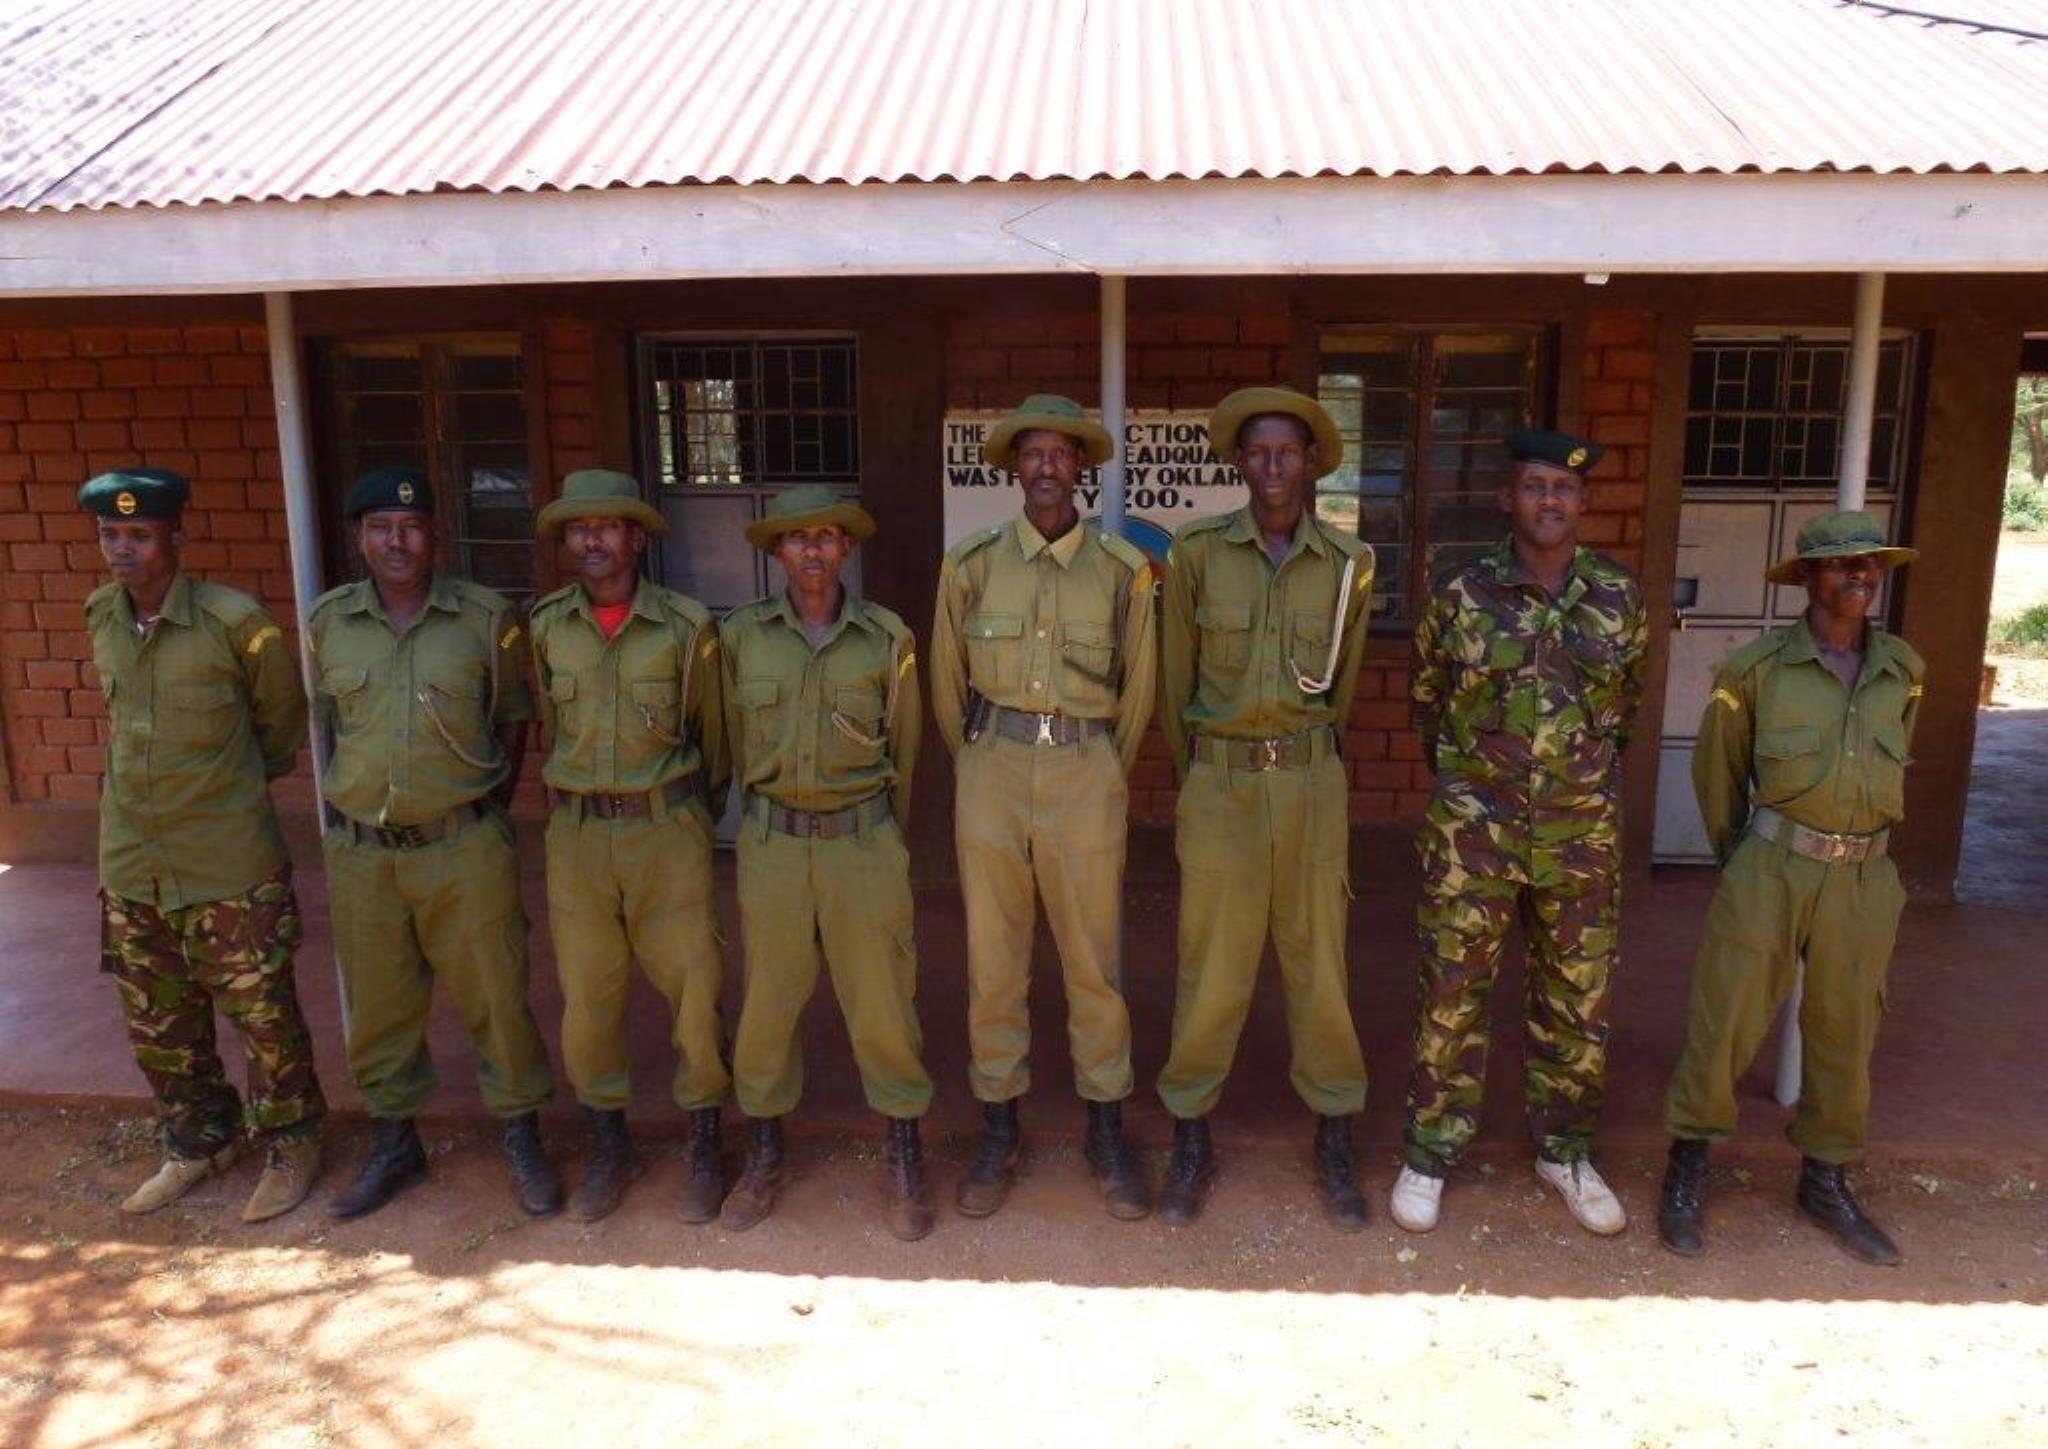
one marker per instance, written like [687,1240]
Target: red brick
[43,437]
[1380,775]
[72,789]
[212,339]
[21,588]
[1042,362]
[1144,329]
[214,433]
[74,373]
[1270,328]
[571,433]
[574,401]
[13,406]
[1013,331]
[50,498]
[87,759]
[39,703]
[1405,747]
[109,459]
[571,367]
[157,433]
[72,588]
[1205,329]
[1628,364]
[154,339]
[1079,327]
[127,372]
[1599,529]
[1612,430]
[239,526]
[1149,393]
[1241,363]
[20,528]
[52,674]
[1606,397]
[70,469]
[1604,329]
[1365,745]
[259,432]
[162,402]
[979,363]
[1640,397]
[43,342]
[13,497]
[28,646]
[52,406]
[1617,497]
[566,332]
[269,465]
[1380,714]
[219,402]
[109,403]
[253,339]
[69,732]
[1171,362]
[95,436]
[21,375]
[238,370]
[227,463]
[182,371]
[1411,803]
[1371,805]
[219,495]
[963,329]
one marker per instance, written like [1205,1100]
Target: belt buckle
[814,824]
[1271,749]
[614,806]
[1044,731]
[410,837]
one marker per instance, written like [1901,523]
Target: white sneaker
[1592,1202]
[1417,1199]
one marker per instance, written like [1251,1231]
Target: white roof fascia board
[1401,225]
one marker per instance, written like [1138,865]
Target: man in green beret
[1528,669]
[420,681]
[196,906]
[1043,677]
[1266,612]
[631,695]
[1801,774]
[822,713]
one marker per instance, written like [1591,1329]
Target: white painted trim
[1415,225]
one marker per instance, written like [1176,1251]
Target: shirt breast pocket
[454,699]
[1789,762]
[658,709]
[1088,675]
[1308,645]
[1888,770]
[757,699]
[995,651]
[347,686]
[197,714]
[856,739]
[1226,633]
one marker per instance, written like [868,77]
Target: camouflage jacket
[1528,694]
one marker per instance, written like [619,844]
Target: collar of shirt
[1803,648]
[1245,529]
[440,595]
[1508,568]
[177,608]
[1063,549]
[850,612]
[644,606]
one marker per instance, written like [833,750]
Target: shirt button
[1037,684]
[1041,633]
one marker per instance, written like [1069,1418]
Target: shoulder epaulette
[1908,656]
[744,613]
[477,596]
[1205,525]
[547,601]
[101,597]
[1348,544]
[683,607]
[230,606]
[1756,651]
[980,539]
[1122,550]
[890,621]
[331,596]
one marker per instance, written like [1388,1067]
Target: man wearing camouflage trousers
[1528,668]
[196,905]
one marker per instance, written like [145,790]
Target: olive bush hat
[807,507]
[396,486]
[599,493]
[1843,534]
[1250,402]
[135,493]
[1055,414]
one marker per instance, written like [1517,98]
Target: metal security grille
[1766,412]
[752,412]
[1425,417]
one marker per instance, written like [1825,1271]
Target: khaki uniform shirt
[1781,729]
[821,729]
[415,713]
[1054,628]
[206,709]
[630,713]
[1525,695]
[1240,630]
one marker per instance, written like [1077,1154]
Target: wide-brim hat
[599,493]
[1250,402]
[1055,414]
[808,507]
[1846,533]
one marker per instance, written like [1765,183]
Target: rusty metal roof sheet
[114,103]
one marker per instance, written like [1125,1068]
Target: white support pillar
[1113,396]
[1859,408]
[301,513]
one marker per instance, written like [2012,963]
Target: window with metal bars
[1425,415]
[752,412]
[1766,411]
[454,408]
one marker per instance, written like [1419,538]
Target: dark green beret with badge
[1559,450]
[396,486]
[135,493]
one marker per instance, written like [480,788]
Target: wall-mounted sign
[1171,478]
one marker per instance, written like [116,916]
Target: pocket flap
[458,684]
[1223,616]
[758,693]
[656,693]
[1314,627]
[343,679]
[211,695]
[1788,744]
[1094,635]
[561,688]
[994,626]
[1893,742]
[860,704]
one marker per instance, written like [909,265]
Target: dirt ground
[449,1319]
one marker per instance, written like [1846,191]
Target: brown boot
[178,1176]
[753,1196]
[994,1168]
[910,1193]
[609,1165]
[289,1168]
[1115,1165]
[704,1187]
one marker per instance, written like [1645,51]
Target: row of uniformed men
[1045,669]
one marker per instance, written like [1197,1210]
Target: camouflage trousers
[1483,868]
[174,969]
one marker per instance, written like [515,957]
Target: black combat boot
[534,1178]
[910,1192]
[1682,1210]
[704,1186]
[994,1167]
[609,1164]
[1337,1176]
[1824,1196]
[1116,1167]
[396,1161]
[753,1196]
[1189,1175]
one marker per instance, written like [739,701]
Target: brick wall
[1189,361]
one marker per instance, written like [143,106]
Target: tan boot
[178,1176]
[288,1172]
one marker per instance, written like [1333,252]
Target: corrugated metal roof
[139,102]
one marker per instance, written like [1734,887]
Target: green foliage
[2026,631]
[2026,503]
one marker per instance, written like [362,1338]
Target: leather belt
[1045,729]
[1817,844]
[827,824]
[411,837]
[634,805]
[1284,752]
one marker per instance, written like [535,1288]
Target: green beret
[1560,450]
[135,493]
[394,487]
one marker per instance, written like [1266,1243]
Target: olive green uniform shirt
[630,713]
[414,713]
[1239,630]
[1063,627]
[1781,729]
[206,709]
[821,729]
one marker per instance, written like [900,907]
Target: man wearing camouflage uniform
[1801,774]
[420,680]
[630,693]
[1528,667]
[196,904]
[1043,674]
